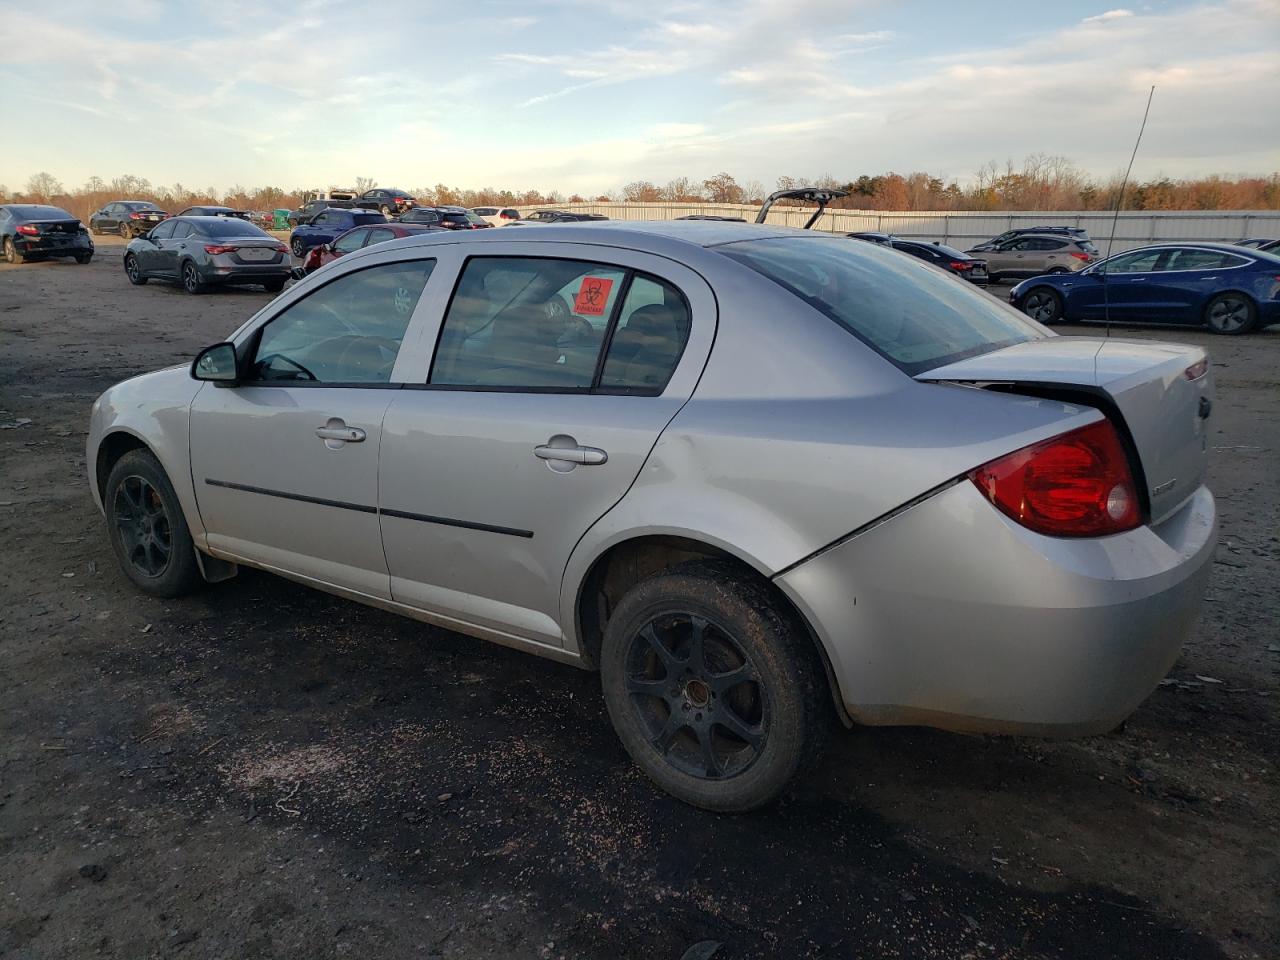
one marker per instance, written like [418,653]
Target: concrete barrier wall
[965,228]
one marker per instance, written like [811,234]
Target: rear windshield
[1087,246]
[915,317]
[951,252]
[229,227]
[463,218]
[370,217]
[140,205]
[34,211]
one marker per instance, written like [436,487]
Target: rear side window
[652,331]
[916,318]
[165,230]
[1203,260]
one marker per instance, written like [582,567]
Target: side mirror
[216,363]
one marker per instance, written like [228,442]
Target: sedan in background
[358,239]
[1222,286]
[129,218]
[451,218]
[1032,255]
[214,211]
[328,225]
[202,252]
[971,268]
[34,231]
[684,480]
[562,216]
[497,216]
[389,201]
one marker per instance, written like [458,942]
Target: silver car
[756,477]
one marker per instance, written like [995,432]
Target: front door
[1133,285]
[285,463]
[148,253]
[551,383]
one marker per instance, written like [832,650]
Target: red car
[359,237]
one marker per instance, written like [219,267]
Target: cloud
[1109,15]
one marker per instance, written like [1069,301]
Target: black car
[313,208]
[972,269]
[129,218]
[211,211]
[391,202]
[1071,233]
[562,216]
[451,218]
[34,231]
[873,236]
[201,252]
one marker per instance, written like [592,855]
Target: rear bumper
[951,615]
[246,273]
[75,245]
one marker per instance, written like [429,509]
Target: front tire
[1230,314]
[147,529]
[191,280]
[84,258]
[298,247]
[1043,304]
[11,252]
[133,270]
[713,686]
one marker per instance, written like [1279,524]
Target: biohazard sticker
[592,296]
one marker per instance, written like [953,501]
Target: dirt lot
[265,771]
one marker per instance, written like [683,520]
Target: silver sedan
[758,478]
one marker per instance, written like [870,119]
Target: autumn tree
[365,183]
[681,190]
[43,186]
[891,193]
[722,188]
[641,191]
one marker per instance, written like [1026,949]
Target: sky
[587,95]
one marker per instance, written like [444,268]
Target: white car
[498,216]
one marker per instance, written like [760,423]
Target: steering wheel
[264,361]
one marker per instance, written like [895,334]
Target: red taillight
[1074,485]
[28,230]
[1082,256]
[961,265]
[216,248]
[280,248]
[135,216]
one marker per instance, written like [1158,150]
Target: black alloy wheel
[143,526]
[146,527]
[299,248]
[191,281]
[133,270]
[1043,305]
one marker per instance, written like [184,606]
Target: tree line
[1041,182]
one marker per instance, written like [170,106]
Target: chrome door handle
[587,456]
[335,432]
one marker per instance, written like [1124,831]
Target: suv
[391,202]
[1071,233]
[311,209]
[1031,255]
[327,226]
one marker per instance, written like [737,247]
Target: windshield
[140,205]
[915,317]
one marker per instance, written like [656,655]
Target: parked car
[1257,243]
[658,484]
[1070,233]
[327,226]
[451,218]
[1031,255]
[203,252]
[36,231]
[262,218]
[313,208]
[1225,287]
[358,239]
[1271,246]
[129,218]
[208,210]
[971,268]
[389,201]
[497,216]
[562,216]
[873,236]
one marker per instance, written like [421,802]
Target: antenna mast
[1115,220]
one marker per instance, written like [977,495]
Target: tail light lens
[1082,257]
[961,265]
[27,230]
[135,216]
[280,248]
[217,248]
[1075,485]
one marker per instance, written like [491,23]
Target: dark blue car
[1228,288]
[327,226]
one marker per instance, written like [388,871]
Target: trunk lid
[57,226]
[1148,385]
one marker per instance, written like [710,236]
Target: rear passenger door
[553,376]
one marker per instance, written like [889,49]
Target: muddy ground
[265,771]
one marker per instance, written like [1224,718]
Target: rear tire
[11,252]
[191,280]
[740,704]
[1043,304]
[146,527]
[125,232]
[1230,314]
[386,211]
[133,270]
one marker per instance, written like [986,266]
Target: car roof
[1198,244]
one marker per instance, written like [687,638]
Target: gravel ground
[265,771]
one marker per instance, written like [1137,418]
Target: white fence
[963,228]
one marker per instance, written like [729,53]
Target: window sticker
[592,296]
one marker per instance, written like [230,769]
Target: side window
[351,241]
[1142,261]
[348,331]
[1202,260]
[377,236]
[1044,243]
[182,230]
[323,218]
[652,331]
[524,323]
[164,230]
